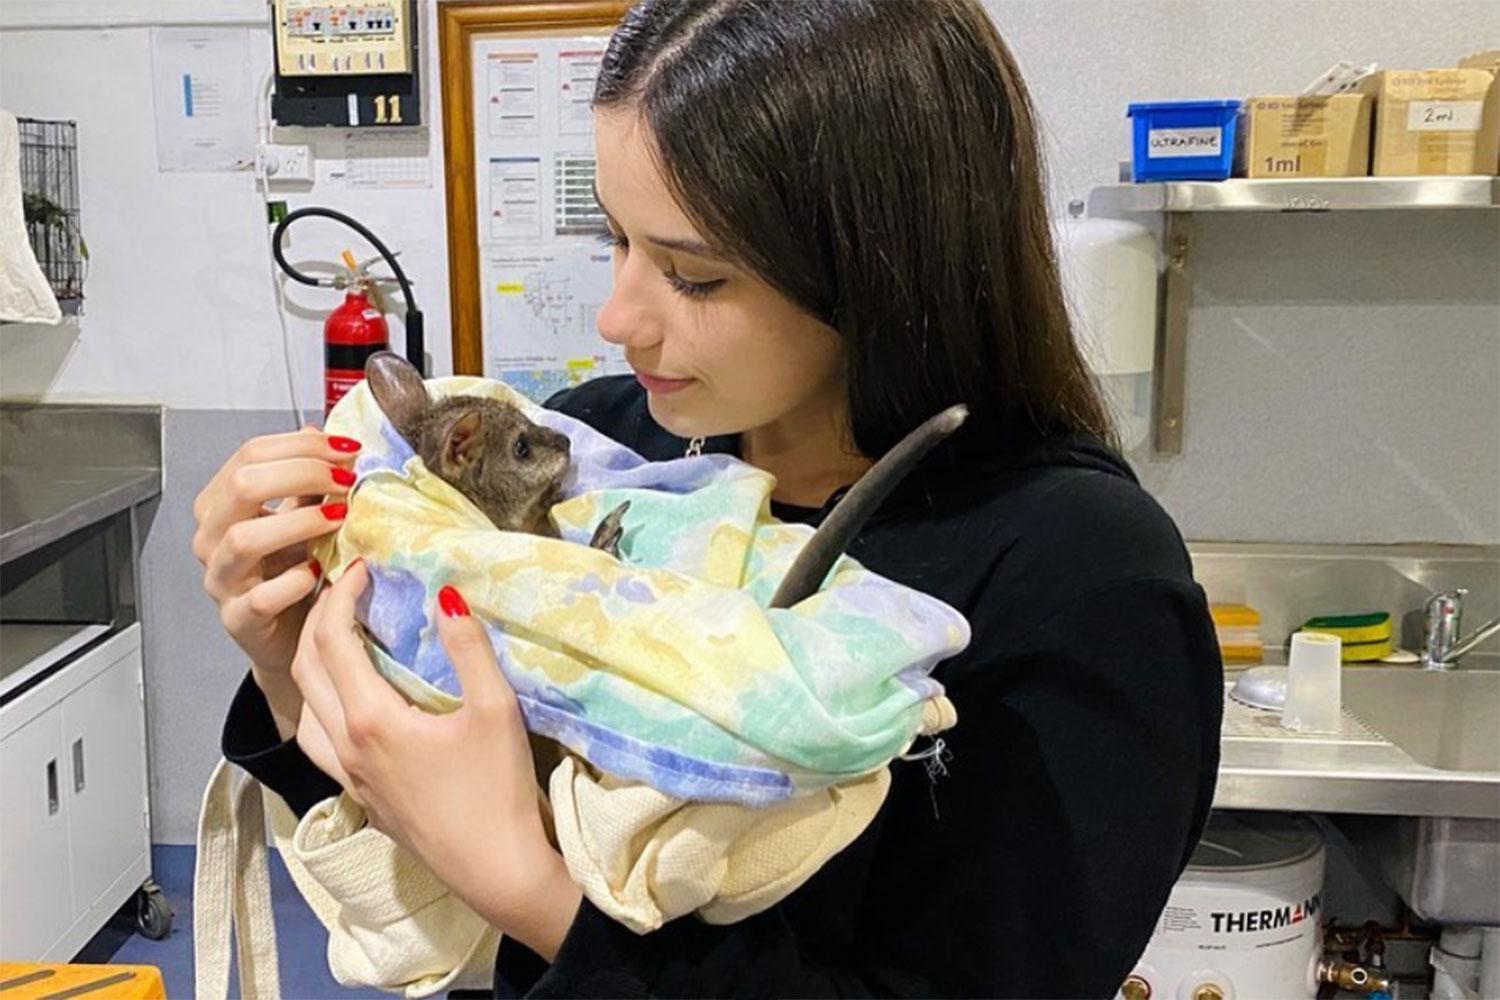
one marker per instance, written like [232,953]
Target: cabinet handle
[52,787]
[78,765]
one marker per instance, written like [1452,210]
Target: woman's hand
[255,557]
[457,790]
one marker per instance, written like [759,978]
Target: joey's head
[511,468]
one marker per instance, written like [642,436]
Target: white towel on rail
[25,296]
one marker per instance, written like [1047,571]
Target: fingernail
[342,476]
[335,511]
[452,603]
[316,567]
[346,445]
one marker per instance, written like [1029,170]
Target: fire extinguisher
[357,328]
[352,332]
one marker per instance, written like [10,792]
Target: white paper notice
[577,71]
[515,198]
[542,305]
[575,212]
[545,274]
[386,159]
[204,98]
[513,94]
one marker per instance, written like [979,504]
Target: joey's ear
[399,390]
[462,442]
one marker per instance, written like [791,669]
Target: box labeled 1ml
[1183,140]
[1307,136]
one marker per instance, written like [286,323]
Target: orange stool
[35,981]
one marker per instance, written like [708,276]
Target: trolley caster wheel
[153,914]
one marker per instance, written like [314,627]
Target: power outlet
[291,164]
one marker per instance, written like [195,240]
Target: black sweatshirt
[1077,779]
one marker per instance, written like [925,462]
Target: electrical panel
[352,64]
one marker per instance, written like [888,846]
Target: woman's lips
[662,386]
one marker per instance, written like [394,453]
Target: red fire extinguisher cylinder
[352,332]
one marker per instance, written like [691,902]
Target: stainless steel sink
[1446,868]
[1448,720]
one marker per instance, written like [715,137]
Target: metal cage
[49,187]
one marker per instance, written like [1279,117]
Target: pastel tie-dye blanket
[662,667]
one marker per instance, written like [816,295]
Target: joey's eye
[522,448]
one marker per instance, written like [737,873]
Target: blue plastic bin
[1183,140]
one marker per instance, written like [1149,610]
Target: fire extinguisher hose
[412,320]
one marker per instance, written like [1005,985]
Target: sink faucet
[1441,645]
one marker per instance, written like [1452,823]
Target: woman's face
[718,350]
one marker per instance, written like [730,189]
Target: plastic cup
[1314,689]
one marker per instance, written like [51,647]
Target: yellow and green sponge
[1364,637]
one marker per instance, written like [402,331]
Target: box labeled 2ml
[1437,121]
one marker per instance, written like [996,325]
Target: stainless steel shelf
[1175,204]
[1331,194]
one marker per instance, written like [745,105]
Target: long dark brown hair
[876,162]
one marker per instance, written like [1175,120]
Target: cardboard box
[1307,136]
[1437,121]
[1489,60]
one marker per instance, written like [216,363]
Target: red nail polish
[335,511]
[316,567]
[346,445]
[452,603]
[342,476]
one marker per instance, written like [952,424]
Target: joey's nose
[557,441]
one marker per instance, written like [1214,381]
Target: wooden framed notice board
[527,272]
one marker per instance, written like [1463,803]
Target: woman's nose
[627,317]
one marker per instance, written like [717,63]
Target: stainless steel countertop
[1363,774]
[65,466]
[40,505]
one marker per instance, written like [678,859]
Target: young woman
[828,224]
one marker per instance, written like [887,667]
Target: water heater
[1109,275]
[1243,921]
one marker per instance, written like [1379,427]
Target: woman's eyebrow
[695,247]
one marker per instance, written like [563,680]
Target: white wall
[180,307]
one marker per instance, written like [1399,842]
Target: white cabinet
[36,884]
[74,825]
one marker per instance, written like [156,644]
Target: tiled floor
[300,939]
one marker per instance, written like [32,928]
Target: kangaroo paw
[607,536]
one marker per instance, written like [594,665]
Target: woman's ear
[399,390]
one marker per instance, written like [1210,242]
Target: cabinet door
[104,745]
[36,904]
